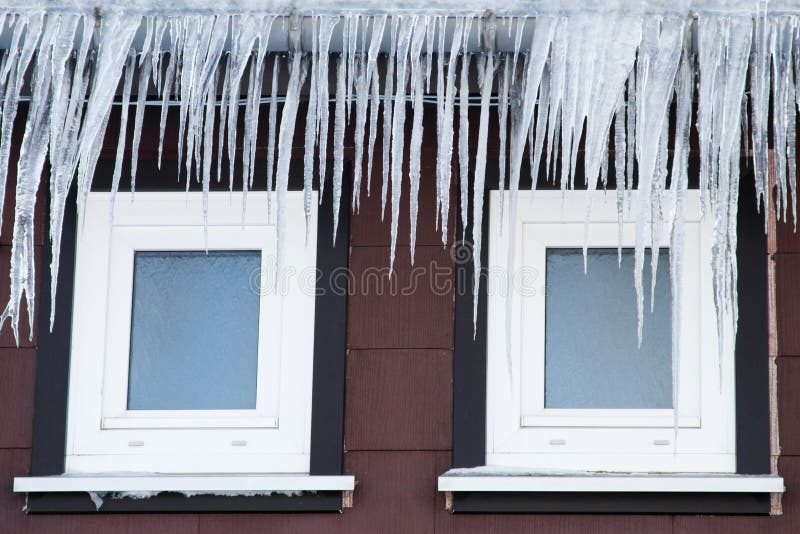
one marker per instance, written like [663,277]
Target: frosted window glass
[591,355]
[194,331]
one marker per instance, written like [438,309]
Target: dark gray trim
[612,503]
[330,327]
[52,372]
[52,354]
[752,383]
[752,341]
[81,503]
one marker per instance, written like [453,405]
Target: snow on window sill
[499,479]
[149,485]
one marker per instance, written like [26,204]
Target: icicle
[502,113]
[223,115]
[123,127]
[445,146]
[479,181]
[759,104]
[169,79]
[659,54]
[619,169]
[273,118]
[373,83]
[244,30]
[338,140]
[680,183]
[407,24]
[208,149]
[415,145]
[536,147]
[544,28]
[141,98]
[310,141]
[115,38]
[64,136]
[15,69]
[463,142]
[297,75]
[326,25]
[362,100]
[388,94]
[517,44]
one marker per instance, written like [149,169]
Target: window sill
[458,480]
[491,490]
[188,484]
[185,493]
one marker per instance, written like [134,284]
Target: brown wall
[398,405]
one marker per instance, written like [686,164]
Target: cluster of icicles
[596,73]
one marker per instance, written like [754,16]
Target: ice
[297,74]
[463,142]
[502,128]
[373,83]
[421,32]
[362,102]
[581,75]
[406,27]
[388,95]
[445,144]
[659,54]
[272,119]
[311,135]
[326,26]
[123,126]
[619,168]
[544,28]
[338,138]
[141,98]
[684,92]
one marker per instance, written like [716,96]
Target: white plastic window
[580,394]
[186,357]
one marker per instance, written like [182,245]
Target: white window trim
[522,433]
[183,483]
[667,483]
[102,435]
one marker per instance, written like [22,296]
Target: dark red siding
[398,400]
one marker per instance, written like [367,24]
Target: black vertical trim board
[330,327]
[751,366]
[469,369]
[52,370]
[752,340]
[52,355]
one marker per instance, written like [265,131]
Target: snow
[564,77]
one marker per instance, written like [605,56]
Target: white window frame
[521,432]
[102,435]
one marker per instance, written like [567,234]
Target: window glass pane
[592,358]
[194,331]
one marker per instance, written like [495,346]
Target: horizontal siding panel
[789,522]
[449,523]
[787,285]
[399,400]
[789,405]
[6,333]
[787,239]
[17,369]
[369,228]
[411,309]
[395,492]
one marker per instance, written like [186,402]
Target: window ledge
[186,484]
[500,480]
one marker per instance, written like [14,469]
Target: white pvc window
[186,357]
[580,394]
